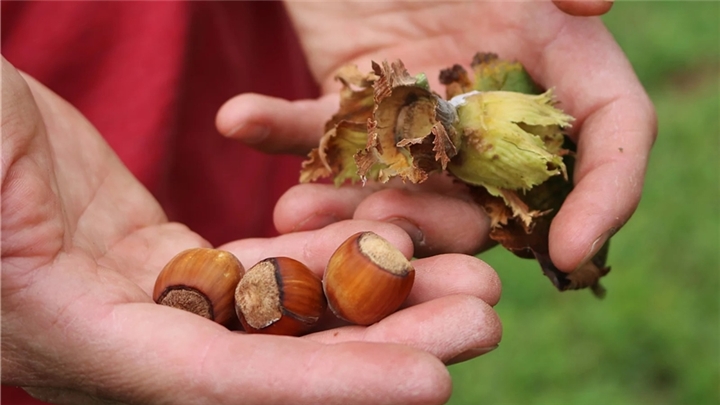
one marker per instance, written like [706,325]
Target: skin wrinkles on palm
[427,38]
[77,279]
[104,309]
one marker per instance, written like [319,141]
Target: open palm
[614,127]
[82,243]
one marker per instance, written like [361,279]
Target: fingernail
[470,354]
[596,246]
[411,229]
[315,221]
[250,133]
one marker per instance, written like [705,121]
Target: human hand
[614,128]
[82,243]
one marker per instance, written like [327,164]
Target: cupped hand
[614,129]
[82,242]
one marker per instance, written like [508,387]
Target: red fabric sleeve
[151,77]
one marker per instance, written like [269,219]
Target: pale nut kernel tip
[257,297]
[385,255]
[279,296]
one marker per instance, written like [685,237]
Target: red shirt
[151,76]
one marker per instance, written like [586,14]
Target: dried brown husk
[345,132]
[356,96]
[521,219]
[390,124]
[335,155]
[530,240]
[411,131]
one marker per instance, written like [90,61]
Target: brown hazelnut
[201,281]
[279,296]
[367,279]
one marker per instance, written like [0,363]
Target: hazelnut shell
[201,281]
[279,296]
[367,279]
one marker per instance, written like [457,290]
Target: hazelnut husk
[279,296]
[367,279]
[201,281]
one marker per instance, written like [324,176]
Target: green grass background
[655,338]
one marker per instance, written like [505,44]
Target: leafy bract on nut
[498,132]
[408,134]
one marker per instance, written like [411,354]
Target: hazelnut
[279,296]
[201,281]
[367,279]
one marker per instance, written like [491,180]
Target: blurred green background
[655,338]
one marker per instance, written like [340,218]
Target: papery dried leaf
[382,152]
[351,77]
[407,135]
[515,237]
[518,236]
[494,206]
[357,99]
[390,76]
[517,206]
[335,155]
[313,168]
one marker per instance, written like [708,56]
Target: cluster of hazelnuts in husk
[366,279]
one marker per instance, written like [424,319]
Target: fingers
[21,119]
[612,157]
[436,222]
[181,358]
[448,312]
[617,127]
[274,125]
[584,8]
[314,248]
[453,274]
[445,327]
[312,206]
[436,214]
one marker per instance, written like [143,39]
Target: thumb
[274,125]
